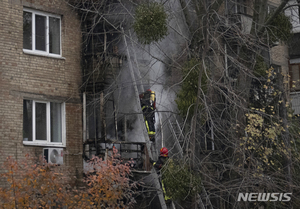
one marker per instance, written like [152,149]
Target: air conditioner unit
[53,155]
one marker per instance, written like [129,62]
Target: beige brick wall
[38,77]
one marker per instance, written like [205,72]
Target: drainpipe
[84,116]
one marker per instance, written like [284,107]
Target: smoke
[150,66]
[133,135]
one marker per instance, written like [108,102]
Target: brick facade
[24,75]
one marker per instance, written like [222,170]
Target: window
[43,123]
[271,8]
[241,7]
[41,33]
[236,7]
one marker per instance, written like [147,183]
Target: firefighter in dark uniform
[162,159]
[148,107]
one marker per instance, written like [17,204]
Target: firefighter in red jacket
[148,105]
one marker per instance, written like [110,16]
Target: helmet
[148,90]
[164,152]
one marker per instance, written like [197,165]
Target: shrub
[32,185]
[42,185]
[179,181]
[280,28]
[187,96]
[150,22]
[108,183]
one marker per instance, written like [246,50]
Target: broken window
[41,33]
[43,122]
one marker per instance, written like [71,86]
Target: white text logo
[261,197]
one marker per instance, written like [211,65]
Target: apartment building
[294,56]
[40,79]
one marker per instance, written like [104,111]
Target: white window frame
[48,124]
[39,52]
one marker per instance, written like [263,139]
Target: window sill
[43,55]
[29,143]
[295,61]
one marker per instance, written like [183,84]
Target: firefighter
[148,105]
[162,159]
